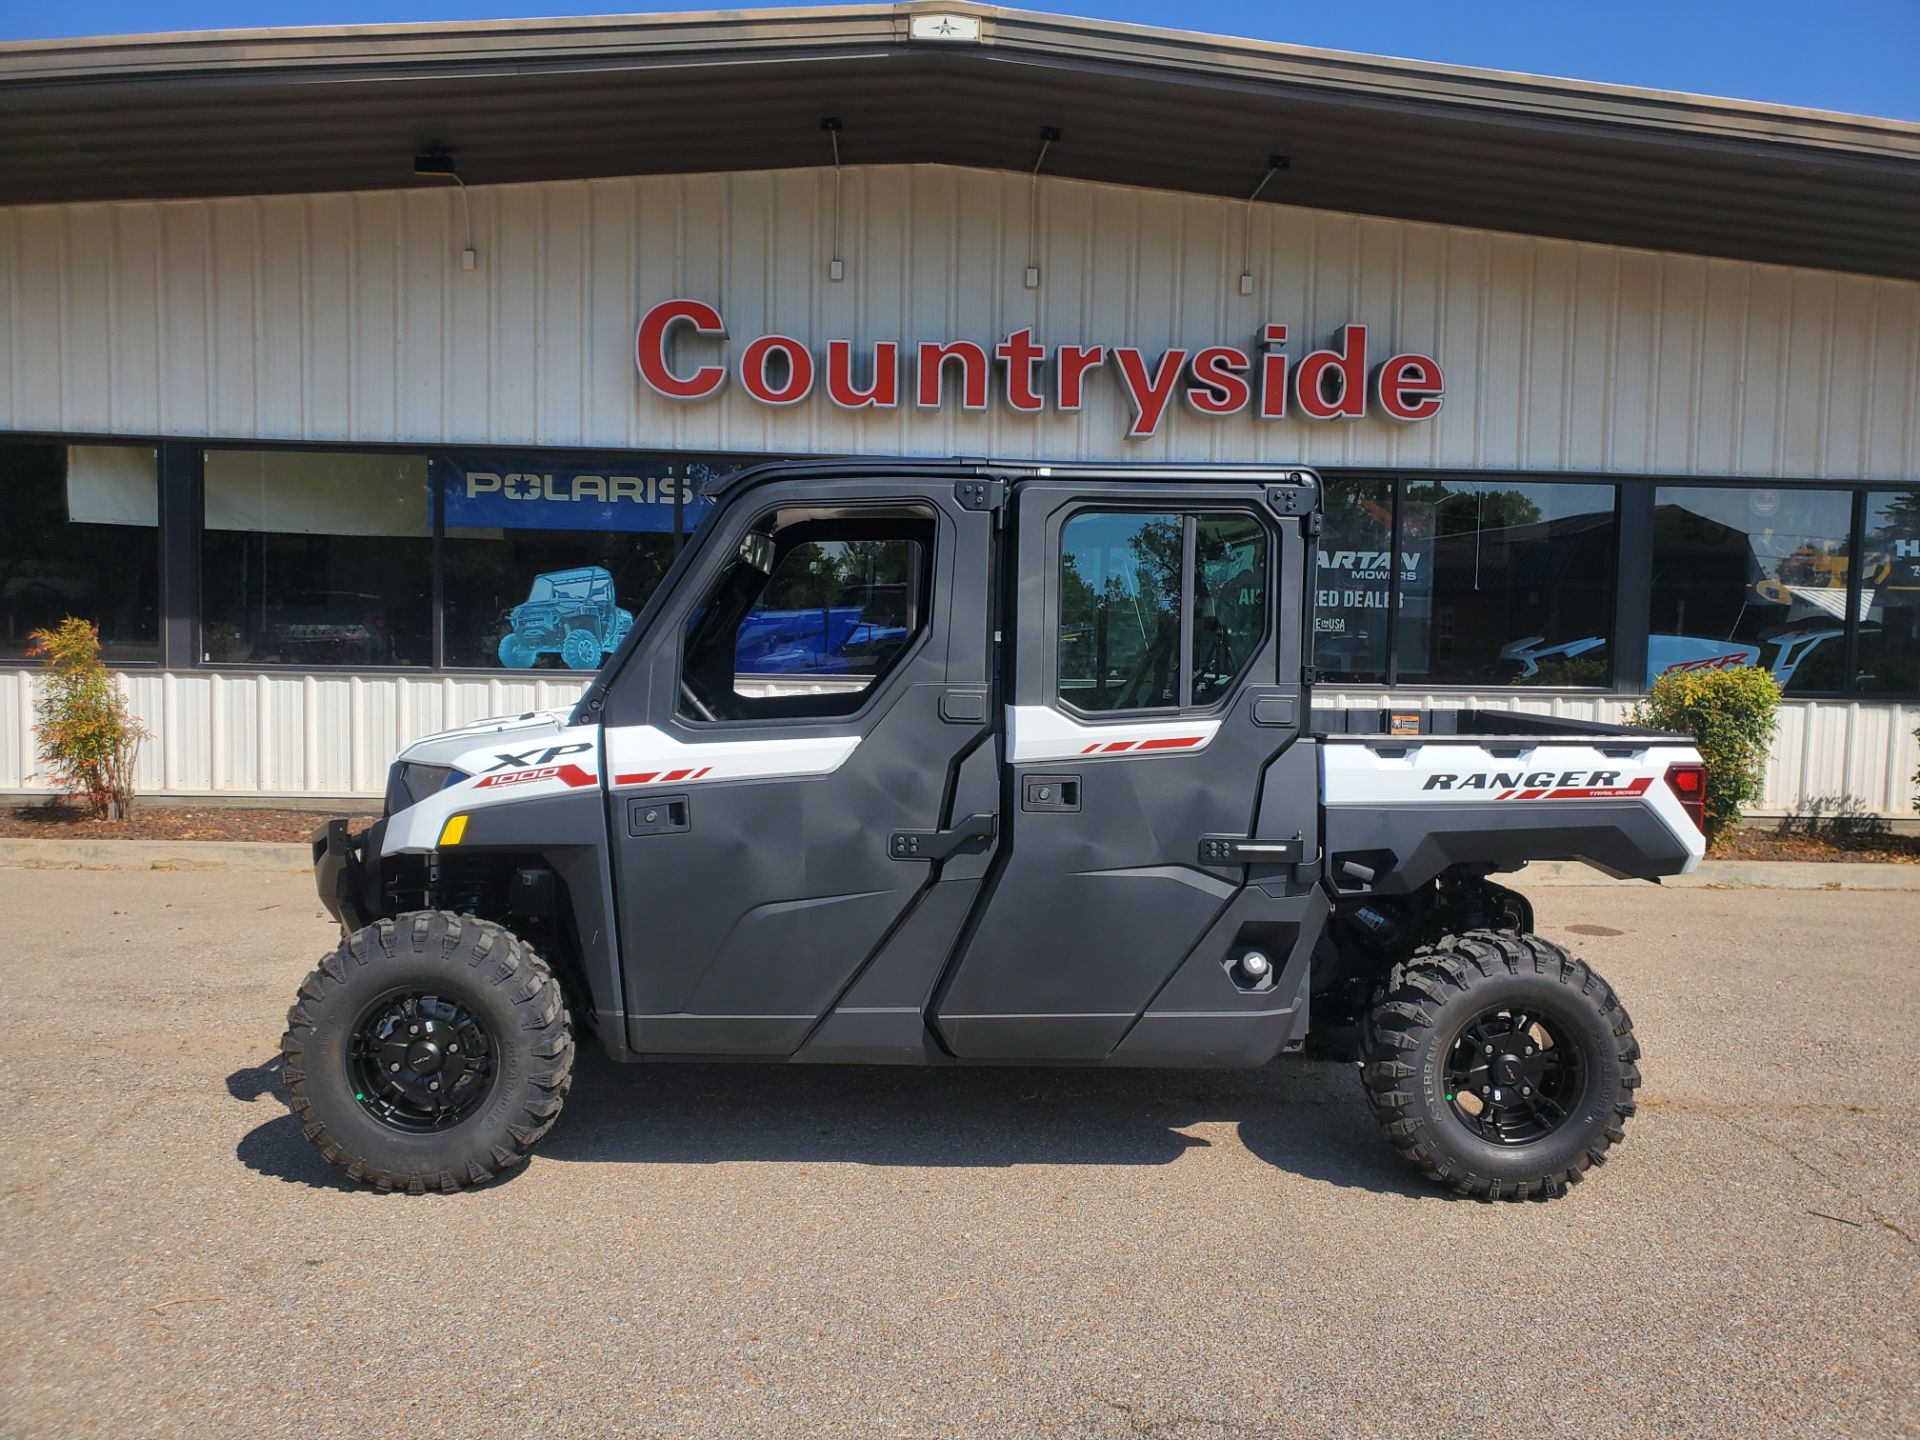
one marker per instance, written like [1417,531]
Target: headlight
[409,782]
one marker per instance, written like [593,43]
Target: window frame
[1189,513]
[1633,575]
[1403,479]
[164,540]
[1856,511]
[870,694]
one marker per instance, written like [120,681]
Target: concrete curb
[1734,875]
[152,855]
[246,855]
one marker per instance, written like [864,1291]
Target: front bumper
[340,874]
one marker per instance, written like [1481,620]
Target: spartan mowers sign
[1337,383]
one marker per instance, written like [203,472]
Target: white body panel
[1357,774]
[293,735]
[639,755]
[1039,732]
[503,762]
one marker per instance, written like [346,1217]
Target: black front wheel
[428,1052]
[1500,1065]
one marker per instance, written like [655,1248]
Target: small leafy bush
[1731,715]
[88,737]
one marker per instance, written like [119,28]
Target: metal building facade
[228,237]
[347,317]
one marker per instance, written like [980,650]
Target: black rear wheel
[431,1051]
[1500,1065]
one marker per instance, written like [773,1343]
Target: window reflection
[1890,594]
[1507,583]
[1751,576]
[1352,595]
[80,536]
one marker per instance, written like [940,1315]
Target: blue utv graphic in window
[569,613]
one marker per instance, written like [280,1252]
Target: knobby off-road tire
[1413,1039]
[483,985]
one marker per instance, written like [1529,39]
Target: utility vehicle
[1080,814]
[569,613]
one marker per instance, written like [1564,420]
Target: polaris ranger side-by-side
[1070,805]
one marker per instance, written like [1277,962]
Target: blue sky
[1856,55]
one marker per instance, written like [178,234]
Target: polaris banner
[650,493]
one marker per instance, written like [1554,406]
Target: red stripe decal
[704,769]
[639,779]
[1170,742]
[673,775]
[1503,795]
[1603,792]
[1091,748]
[1120,745]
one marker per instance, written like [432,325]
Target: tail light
[1688,781]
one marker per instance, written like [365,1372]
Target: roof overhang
[277,111]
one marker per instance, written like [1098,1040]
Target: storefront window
[547,561]
[317,558]
[80,536]
[1751,577]
[1356,573]
[1889,653]
[1507,583]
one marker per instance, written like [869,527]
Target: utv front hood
[512,734]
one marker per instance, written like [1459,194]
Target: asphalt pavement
[736,1251]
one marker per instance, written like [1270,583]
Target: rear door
[1153,732]
[785,750]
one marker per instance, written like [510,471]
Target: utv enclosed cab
[1072,807]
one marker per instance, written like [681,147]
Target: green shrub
[1731,715]
[88,738]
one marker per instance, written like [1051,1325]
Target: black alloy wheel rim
[420,1061]
[1514,1075]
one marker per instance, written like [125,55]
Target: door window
[806,620]
[1230,600]
[1158,610]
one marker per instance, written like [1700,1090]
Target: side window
[1230,600]
[1158,610]
[806,619]
[1120,611]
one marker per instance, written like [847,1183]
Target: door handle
[939,844]
[1251,850]
[1060,793]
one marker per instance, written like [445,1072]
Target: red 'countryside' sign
[1337,383]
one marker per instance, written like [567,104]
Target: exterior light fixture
[436,161]
[1048,135]
[836,267]
[1275,164]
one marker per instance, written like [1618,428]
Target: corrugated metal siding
[285,734]
[278,734]
[347,317]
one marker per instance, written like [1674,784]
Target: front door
[1154,720]
[785,751]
